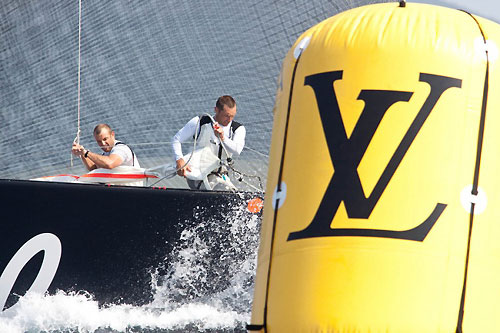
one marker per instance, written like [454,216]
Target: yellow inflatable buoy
[380,211]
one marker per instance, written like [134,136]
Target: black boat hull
[112,237]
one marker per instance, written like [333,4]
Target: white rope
[256,151]
[189,159]
[158,143]
[77,138]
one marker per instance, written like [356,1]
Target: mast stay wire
[77,138]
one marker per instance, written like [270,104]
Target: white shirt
[125,154]
[233,145]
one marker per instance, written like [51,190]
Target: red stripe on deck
[73,176]
[115,175]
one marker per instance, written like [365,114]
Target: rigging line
[188,142]
[256,151]
[151,143]
[79,64]
[197,128]
[240,176]
[78,131]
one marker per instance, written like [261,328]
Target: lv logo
[346,154]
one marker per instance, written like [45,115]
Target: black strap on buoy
[253,327]
[475,182]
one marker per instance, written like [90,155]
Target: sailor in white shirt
[116,153]
[225,129]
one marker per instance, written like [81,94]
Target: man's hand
[180,164]
[77,150]
[219,132]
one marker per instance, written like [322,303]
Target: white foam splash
[64,312]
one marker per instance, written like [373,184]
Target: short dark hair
[225,100]
[99,127]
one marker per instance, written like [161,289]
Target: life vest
[205,136]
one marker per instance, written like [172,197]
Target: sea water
[204,285]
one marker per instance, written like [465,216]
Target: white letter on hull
[43,242]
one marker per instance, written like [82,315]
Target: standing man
[116,153]
[224,131]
